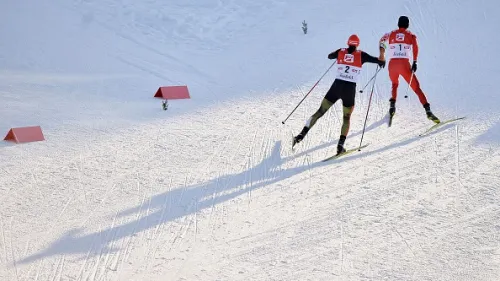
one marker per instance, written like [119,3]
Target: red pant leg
[402,67]
[394,72]
[415,86]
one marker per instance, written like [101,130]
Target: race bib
[400,51]
[348,73]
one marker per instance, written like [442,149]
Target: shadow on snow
[181,202]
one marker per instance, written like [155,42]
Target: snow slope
[210,189]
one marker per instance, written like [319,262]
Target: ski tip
[438,125]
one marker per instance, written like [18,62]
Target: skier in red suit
[402,46]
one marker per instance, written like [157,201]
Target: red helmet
[353,40]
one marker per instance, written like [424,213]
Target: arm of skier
[371,59]
[415,53]
[334,55]
[383,46]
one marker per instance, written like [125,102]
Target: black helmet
[403,22]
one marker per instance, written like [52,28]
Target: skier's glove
[381,63]
[414,66]
[331,56]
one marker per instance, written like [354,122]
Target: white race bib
[348,73]
[399,51]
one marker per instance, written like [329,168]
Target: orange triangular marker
[10,136]
[25,134]
[173,92]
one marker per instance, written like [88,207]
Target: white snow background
[210,189]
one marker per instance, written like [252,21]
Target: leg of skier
[348,97]
[394,72]
[346,122]
[415,86]
[330,98]
[325,105]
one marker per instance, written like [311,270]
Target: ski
[435,126]
[349,151]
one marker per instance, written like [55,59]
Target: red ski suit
[401,43]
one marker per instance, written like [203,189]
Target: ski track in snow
[216,193]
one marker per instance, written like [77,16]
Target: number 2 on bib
[349,66]
[348,73]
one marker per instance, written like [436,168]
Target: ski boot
[298,138]
[392,107]
[340,149]
[430,115]
[340,145]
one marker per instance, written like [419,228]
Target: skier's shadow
[188,200]
[169,206]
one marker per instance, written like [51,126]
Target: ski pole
[369,81]
[283,122]
[368,110]
[407,89]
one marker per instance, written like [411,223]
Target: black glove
[330,56]
[414,66]
[381,63]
